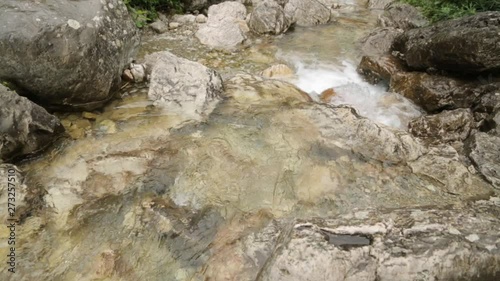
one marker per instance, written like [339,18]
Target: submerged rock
[446,126]
[307,12]
[226,27]
[25,128]
[464,45]
[402,16]
[68,54]
[269,17]
[484,151]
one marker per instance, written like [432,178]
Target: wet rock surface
[307,12]
[269,18]
[226,27]
[465,45]
[25,127]
[402,16]
[447,126]
[484,151]
[434,92]
[69,57]
[380,68]
[379,41]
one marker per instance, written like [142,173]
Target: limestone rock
[25,128]
[269,18]
[182,85]
[446,126]
[159,26]
[402,16]
[464,45]
[379,68]
[307,12]
[70,56]
[379,4]
[484,151]
[226,27]
[278,71]
[433,92]
[379,41]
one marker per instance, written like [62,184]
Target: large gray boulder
[465,45]
[25,128]
[269,17]
[226,27]
[402,16]
[182,85]
[484,151]
[66,53]
[307,12]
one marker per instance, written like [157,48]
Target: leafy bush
[144,11]
[437,10]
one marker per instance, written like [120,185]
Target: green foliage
[144,11]
[437,10]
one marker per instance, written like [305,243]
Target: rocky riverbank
[220,160]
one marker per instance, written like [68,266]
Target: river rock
[379,4]
[380,68]
[446,126]
[25,127]
[434,92]
[278,71]
[379,41]
[159,26]
[307,12]
[269,17]
[226,27]
[402,16]
[182,85]
[465,45]
[66,54]
[484,151]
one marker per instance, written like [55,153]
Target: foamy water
[371,101]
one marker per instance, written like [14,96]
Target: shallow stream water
[138,193]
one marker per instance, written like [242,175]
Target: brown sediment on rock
[327,95]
